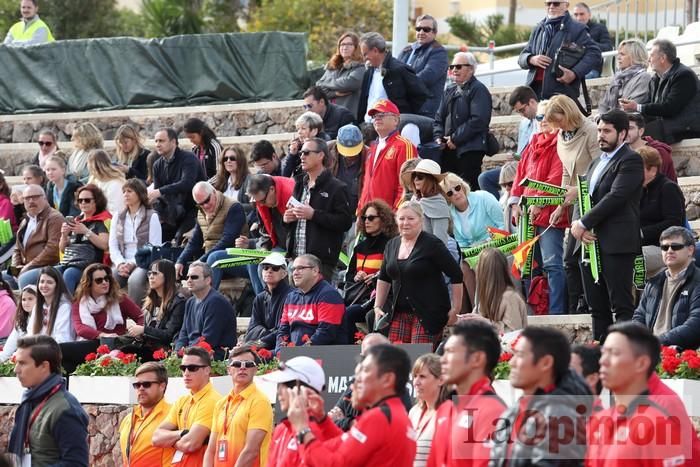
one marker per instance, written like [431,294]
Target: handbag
[356,292]
[492,144]
[147,254]
[568,56]
[79,255]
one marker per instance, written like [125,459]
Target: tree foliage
[493,28]
[323,20]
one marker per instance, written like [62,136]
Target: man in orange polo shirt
[136,429]
[242,423]
[188,424]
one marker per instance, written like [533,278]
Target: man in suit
[387,78]
[615,186]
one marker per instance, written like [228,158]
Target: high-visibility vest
[20,34]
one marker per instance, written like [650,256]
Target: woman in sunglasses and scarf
[100,312]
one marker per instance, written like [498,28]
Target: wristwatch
[302,433]
[183,433]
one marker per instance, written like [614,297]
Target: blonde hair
[636,50]
[128,132]
[451,180]
[564,106]
[87,137]
[100,167]
[431,362]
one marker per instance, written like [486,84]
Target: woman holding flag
[541,163]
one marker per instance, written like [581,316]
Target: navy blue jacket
[569,31]
[600,35]
[266,315]
[214,318]
[234,223]
[430,64]
[685,314]
[336,116]
[317,314]
[467,108]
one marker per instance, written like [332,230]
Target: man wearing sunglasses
[429,59]
[242,422]
[188,424]
[137,428]
[267,307]
[547,37]
[670,303]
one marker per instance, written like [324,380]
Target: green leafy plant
[106,363]
[172,360]
[7,368]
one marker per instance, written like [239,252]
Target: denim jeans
[488,181]
[593,74]
[551,246]
[217,274]
[71,276]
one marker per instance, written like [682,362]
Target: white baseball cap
[305,369]
[274,259]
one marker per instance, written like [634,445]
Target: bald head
[34,199]
[373,339]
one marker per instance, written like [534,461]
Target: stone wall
[103,432]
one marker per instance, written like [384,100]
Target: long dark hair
[60,294]
[114,296]
[22,315]
[170,289]
[195,125]
[242,171]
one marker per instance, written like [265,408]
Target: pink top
[7,211]
[7,314]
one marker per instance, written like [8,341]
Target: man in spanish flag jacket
[386,156]
[464,424]
[383,435]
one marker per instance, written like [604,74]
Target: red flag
[497,233]
[520,255]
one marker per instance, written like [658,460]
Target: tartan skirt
[406,328]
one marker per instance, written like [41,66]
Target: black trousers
[467,166]
[612,294]
[74,353]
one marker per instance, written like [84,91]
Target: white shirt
[62,327]
[381,144]
[113,192]
[376,91]
[605,159]
[131,225]
[31,227]
[231,192]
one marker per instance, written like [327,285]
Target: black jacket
[570,400]
[600,35]
[266,315]
[675,99]
[162,333]
[615,201]
[66,204]
[422,285]
[662,206]
[175,179]
[685,315]
[401,84]
[336,116]
[430,63]
[139,167]
[332,217]
[465,114]
[568,31]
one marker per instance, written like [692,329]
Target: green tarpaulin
[128,72]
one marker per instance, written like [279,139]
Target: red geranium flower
[505,356]
[105,361]
[264,354]
[688,354]
[127,358]
[159,355]
[181,352]
[668,351]
[90,357]
[13,358]
[103,350]
[670,364]
[305,338]
[694,363]
[204,344]
[359,335]
[291,344]
[515,341]
[254,348]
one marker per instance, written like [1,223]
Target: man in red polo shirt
[638,431]
[463,425]
[383,435]
[386,156]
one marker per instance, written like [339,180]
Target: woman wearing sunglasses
[163,309]
[100,312]
[84,239]
[540,161]
[472,212]
[232,176]
[48,145]
[424,181]
[134,227]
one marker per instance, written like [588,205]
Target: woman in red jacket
[541,162]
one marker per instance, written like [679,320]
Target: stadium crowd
[131,249]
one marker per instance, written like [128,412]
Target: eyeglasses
[349,44]
[191,368]
[306,152]
[423,29]
[242,363]
[45,143]
[539,117]
[205,201]
[382,115]
[271,267]
[453,191]
[153,273]
[369,218]
[673,246]
[458,66]
[229,158]
[31,197]
[193,277]
[84,200]
[301,268]
[143,384]
[100,280]
[554,4]
[418,176]
[307,106]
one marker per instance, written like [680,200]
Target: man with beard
[615,187]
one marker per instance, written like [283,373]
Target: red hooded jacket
[284,187]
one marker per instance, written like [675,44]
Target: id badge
[177,457]
[222,450]
[26,460]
